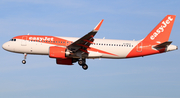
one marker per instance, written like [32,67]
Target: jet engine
[61,54]
[58,52]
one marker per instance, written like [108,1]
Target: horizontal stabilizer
[167,43]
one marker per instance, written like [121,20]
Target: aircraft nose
[5,46]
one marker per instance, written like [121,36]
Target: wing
[84,42]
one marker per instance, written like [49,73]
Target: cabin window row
[125,45]
[50,41]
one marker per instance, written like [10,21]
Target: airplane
[69,50]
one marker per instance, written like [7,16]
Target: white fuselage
[111,48]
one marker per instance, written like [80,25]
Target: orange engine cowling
[57,52]
[60,54]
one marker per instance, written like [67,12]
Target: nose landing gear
[24,61]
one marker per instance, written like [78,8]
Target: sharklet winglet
[99,25]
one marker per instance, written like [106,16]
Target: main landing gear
[82,62]
[24,61]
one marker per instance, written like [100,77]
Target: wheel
[85,67]
[24,61]
[81,62]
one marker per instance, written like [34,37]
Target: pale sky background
[156,76]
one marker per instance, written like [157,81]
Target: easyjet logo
[41,38]
[161,28]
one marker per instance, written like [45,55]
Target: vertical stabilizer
[157,40]
[162,31]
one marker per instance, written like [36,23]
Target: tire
[81,62]
[24,61]
[85,67]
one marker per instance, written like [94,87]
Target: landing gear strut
[82,62]
[24,61]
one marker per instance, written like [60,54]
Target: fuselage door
[24,41]
[139,47]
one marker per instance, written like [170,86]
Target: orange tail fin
[162,31]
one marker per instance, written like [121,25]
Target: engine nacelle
[67,61]
[58,52]
[61,53]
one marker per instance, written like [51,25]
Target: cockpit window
[12,39]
